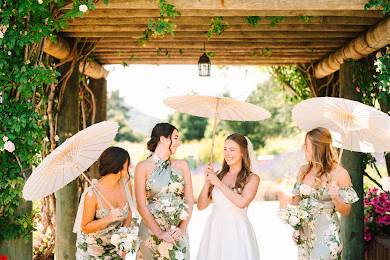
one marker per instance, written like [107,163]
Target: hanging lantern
[204,65]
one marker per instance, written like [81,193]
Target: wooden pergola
[316,32]
[321,33]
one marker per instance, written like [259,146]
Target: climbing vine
[383,5]
[217,27]
[161,26]
[28,77]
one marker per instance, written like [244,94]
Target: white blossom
[115,239]
[293,220]
[40,2]
[5,139]
[83,8]
[9,146]
[56,138]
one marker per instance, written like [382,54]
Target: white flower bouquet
[125,239]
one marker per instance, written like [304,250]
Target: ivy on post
[27,77]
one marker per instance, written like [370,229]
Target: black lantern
[204,65]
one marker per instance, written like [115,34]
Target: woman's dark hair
[112,160]
[161,129]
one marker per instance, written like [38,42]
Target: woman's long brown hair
[242,177]
[324,156]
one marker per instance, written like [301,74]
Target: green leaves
[383,5]
[24,74]
[274,20]
[162,26]
[217,27]
[253,20]
[304,18]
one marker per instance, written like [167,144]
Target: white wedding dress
[228,234]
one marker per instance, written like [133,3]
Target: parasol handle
[97,190]
[213,140]
[341,154]
[214,130]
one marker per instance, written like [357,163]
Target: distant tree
[191,127]
[271,97]
[119,111]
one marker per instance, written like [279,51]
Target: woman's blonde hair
[324,157]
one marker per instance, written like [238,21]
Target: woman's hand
[116,215]
[297,236]
[176,233]
[166,236]
[209,170]
[211,176]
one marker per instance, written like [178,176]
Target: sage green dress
[165,185]
[321,235]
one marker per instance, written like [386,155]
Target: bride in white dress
[228,234]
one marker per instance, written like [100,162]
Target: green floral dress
[165,201]
[321,234]
[98,245]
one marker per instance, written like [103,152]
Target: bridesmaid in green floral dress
[325,188]
[164,198]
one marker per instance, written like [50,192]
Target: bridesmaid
[326,187]
[95,220]
[161,180]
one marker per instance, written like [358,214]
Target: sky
[146,86]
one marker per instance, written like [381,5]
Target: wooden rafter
[359,47]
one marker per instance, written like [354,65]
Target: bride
[228,233]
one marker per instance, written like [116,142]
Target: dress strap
[129,198]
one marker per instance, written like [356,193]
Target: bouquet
[297,216]
[125,239]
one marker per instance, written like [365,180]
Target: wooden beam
[61,50]
[222,45]
[203,20]
[178,50]
[227,34]
[216,56]
[213,60]
[116,40]
[125,13]
[374,39]
[231,28]
[93,70]
[197,51]
[193,62]
[238,4]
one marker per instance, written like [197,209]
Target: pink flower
[9,146]
[5,139]
[357,89]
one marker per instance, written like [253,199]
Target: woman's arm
[204,199]
[188,194]
[240,200]
[89,224]
[341,179]
[140,195]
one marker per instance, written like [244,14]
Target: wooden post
[352,226]
[67,197]
[20,248]
[99,89]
